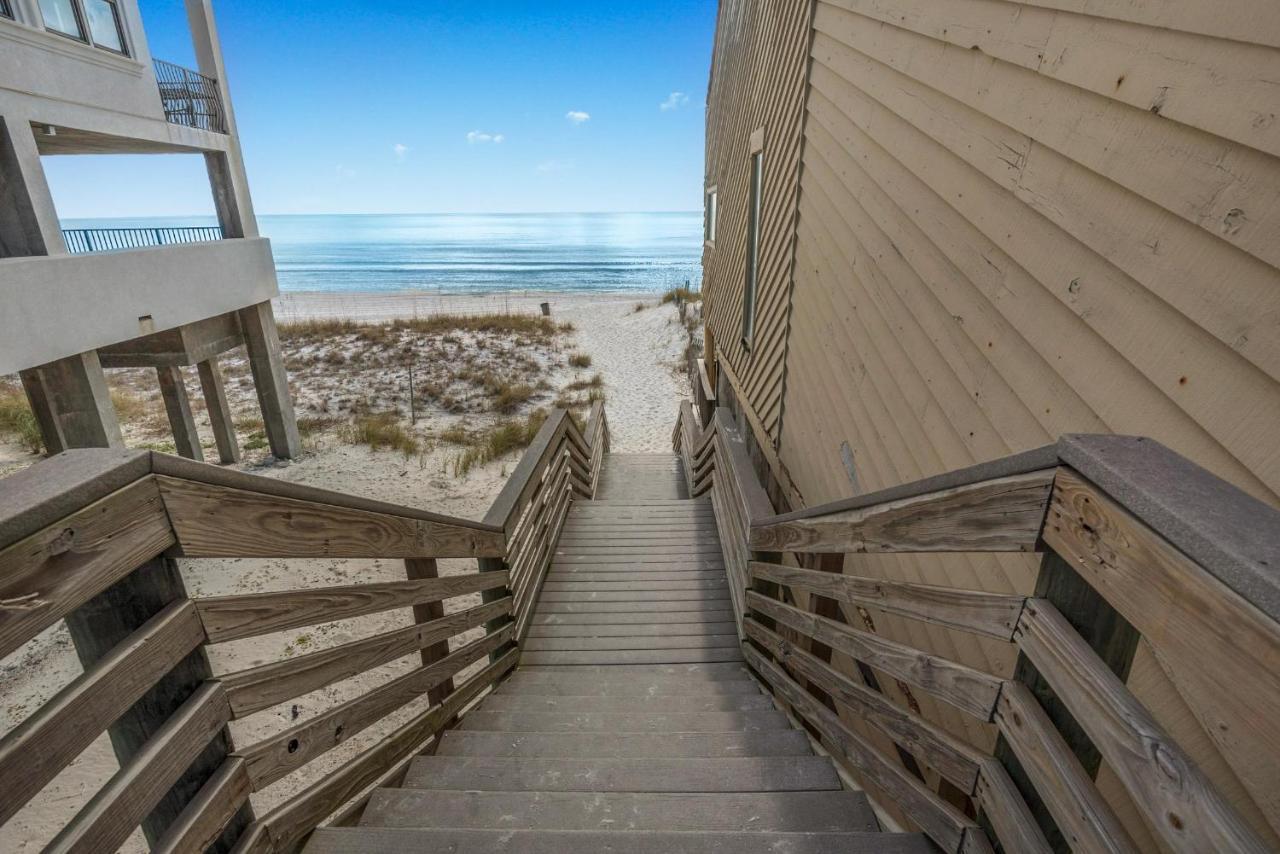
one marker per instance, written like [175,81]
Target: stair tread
[736,774]
[754,812]
[582,745]
[624,722]
[378,840]
[634,656]
[666,704]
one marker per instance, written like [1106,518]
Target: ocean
[473,253]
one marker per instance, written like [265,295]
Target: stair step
[634,656]
[613,745]
[623,722]
[702,609]
[387,840]
[768,812]
[640,618]
[745,774]
[634,630]
[687,704]
[627,672]
[591,686]
[704,642]
[709,581]
[718,593]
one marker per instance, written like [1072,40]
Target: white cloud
[674,101]
[479,137]
[400,149]
[577,116]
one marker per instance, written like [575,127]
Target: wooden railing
[90,537]
[1189,561]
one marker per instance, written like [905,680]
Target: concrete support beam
[258,324]
[42,408]
[28,221]
[177,405]
[215,400]
[80,402]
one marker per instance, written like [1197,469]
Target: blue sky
[405,107]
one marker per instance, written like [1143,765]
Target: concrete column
[178,407]
[28,220]
[80,402]
[227,176]
[215,400]
[42,407]
[258,325]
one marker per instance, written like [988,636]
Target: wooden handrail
[1188,560]
[85,521]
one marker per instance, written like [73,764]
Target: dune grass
[508,435]
[17,419]
[579,360]
[682,294]
[381,430]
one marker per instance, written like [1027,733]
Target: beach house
[76,78]
[942,233]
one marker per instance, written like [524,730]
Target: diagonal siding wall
[757,81]
[1017,220]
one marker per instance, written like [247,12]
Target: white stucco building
[77,77]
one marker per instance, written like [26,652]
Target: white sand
[638,354]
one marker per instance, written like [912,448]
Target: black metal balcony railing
[82,240]
[189,98]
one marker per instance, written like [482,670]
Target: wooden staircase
[631,723]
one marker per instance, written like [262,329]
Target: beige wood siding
[757,82]
[1019,220]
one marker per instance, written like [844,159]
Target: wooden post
[495,564]
[42,408]
[258,325]
[416,568]
[178,407]
[80,402]
[106,620]
[215,400]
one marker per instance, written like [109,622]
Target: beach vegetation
[381,431]
[682,294]
[579,360]
[17,420]
[502,438]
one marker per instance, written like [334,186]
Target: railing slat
[222,521]
[1000,515]
[209,812]
[121,805]
[52,572]
[1015,826]
[991,614]
[967,689]
[228,618]
[1180,804]
[1068,792]
[285,752]
[259,688]
[35,751]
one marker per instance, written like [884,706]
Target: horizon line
[390,213]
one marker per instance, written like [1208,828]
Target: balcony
[189,98]
[81,241]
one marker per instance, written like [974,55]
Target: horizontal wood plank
[259,688]
[50,573]
[1178,801]
[1000,515]
[969,690]
[991,614]
[221,521]
[119,807]
[229,618]
[35,751]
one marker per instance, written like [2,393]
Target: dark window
[104,24]
[95,22]
[6,10]
[61,16]
[753,248]
[709,224]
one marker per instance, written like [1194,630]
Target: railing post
[106,620]
[495,564]
[415,569]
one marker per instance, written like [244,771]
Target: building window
[753,248]
[95,22]
[709,217]
[6,11]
